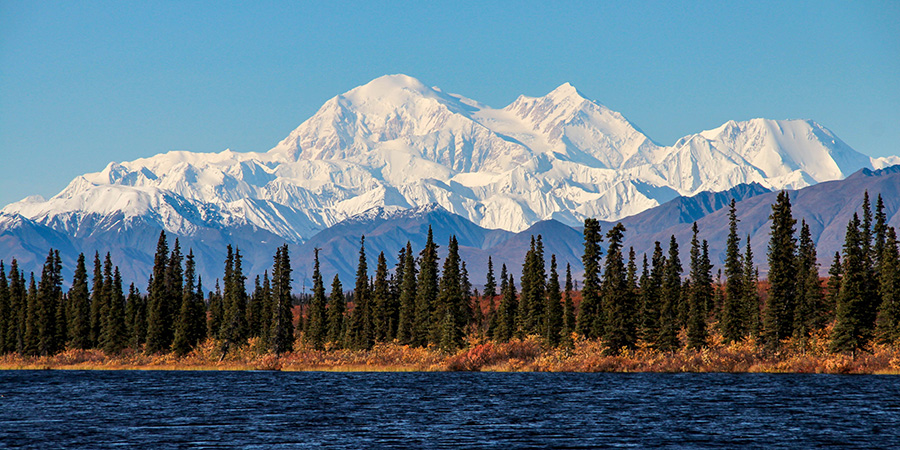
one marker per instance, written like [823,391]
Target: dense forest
[623,301]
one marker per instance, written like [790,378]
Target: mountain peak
[388,85]
[566,90]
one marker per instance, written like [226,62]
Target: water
[61,409]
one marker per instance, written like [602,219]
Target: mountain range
[390,157]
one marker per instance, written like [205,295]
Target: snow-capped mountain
[396,143]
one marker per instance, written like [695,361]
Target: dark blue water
[61,409]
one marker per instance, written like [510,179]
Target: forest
[624,305]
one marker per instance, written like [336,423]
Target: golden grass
[809,356]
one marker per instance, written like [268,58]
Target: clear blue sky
[85,83]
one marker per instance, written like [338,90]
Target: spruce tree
[234,299]
[851,332]
[751,294]
[97,300]
[808,310]
[506,315]
[426,292]
[407,318]
[5,313]
[316,326]
[48,297]
[136,314]
[183,341]
[651,297]
[879,233]
[255,306]
[385,312]
[361,326]
[18,306]
[159,319]
[553,318]
[80,301]
[778,316]
[700,294]
[617,299]
[282,334]
[31,338]
[336,308]
[531,301]
[452,306]
[114,338]
[671,300]
[590,317]
[568,317]
[734,321]
[217,313]
[887,329]
[490,284]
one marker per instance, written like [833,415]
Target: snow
[395,144]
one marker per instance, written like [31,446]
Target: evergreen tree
[234,325]
[282,334]
[159,318]
[618,301]
[553,319]
[18,306]
[465,286]
[80,301]
[48,296]
[361,326]
[6,321]
[671,300]
[887,328]
[833,287]
[778,316]
[198,328]
[506,320]
[807,313]
[851,332]
[879,234]
[568,316]
[490,285]
[386,310]
[531,301]
[590,317]
[113,338]
[31,338]
[751,294]
[407,318]
[136,314]
[267,313]
[183,341]
[316,326]
[255,306]
[871,299]
[216,313]
[700,294]
[651,297]
[452,306]
[734,321]
[97,300]
[336,308]
[426,292]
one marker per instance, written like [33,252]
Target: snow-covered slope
[397,143]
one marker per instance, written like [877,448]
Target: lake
[161,409]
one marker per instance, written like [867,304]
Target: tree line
[424,301]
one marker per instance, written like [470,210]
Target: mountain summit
[398,144]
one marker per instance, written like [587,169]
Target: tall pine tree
[778,316]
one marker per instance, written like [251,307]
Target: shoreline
[515,356]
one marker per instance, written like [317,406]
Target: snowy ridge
[396,144]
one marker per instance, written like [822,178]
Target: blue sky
[85,83]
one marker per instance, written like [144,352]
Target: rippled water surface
[62,409]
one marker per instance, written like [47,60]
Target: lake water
[62,409]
